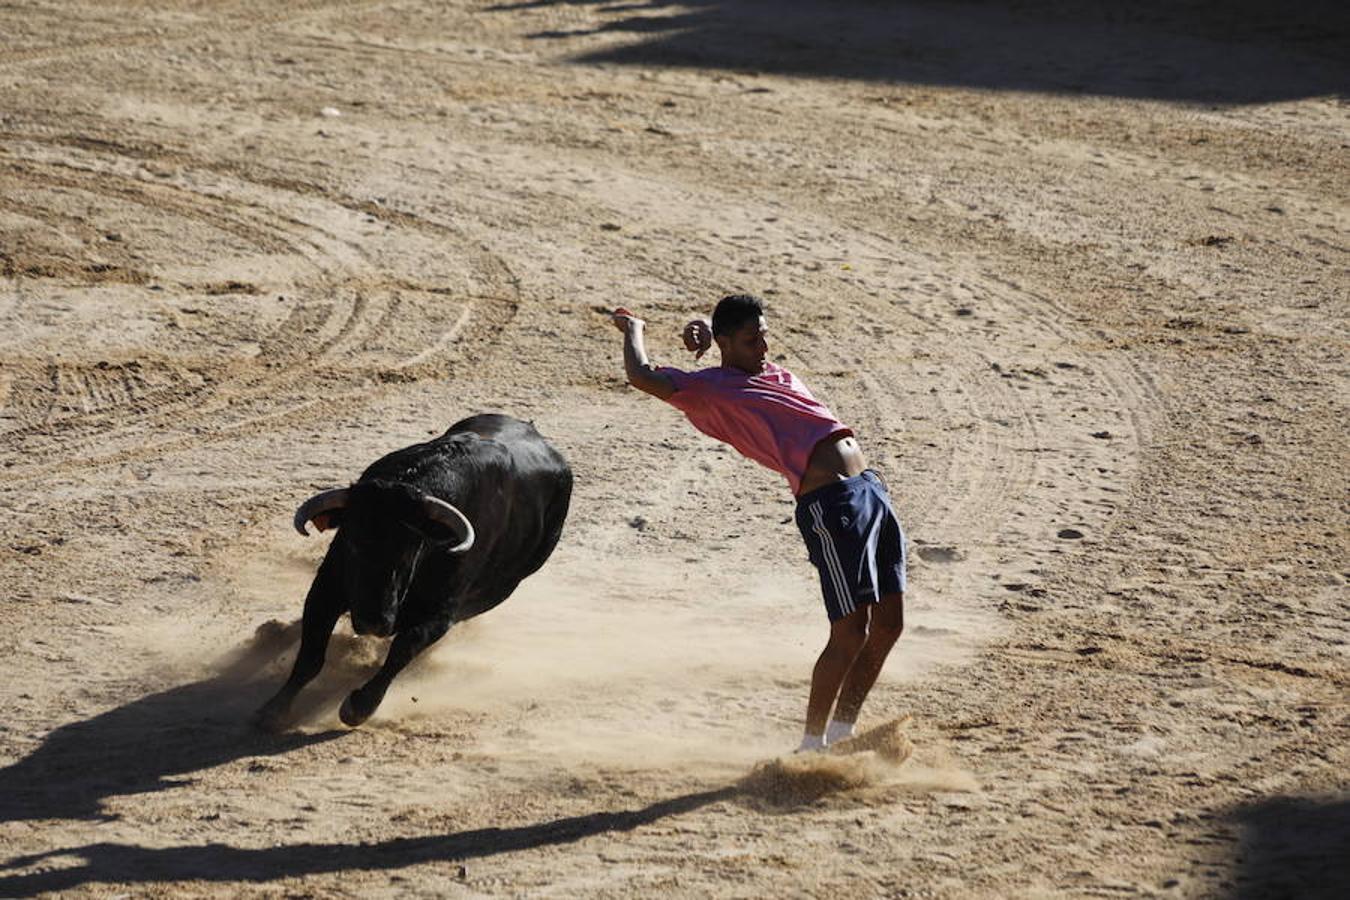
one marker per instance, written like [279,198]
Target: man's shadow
[127,863]
[158,741]
[155,742]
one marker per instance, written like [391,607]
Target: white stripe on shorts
[832,563]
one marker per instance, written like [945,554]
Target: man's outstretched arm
[640,372]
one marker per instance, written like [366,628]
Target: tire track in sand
[237,18]
[354,326]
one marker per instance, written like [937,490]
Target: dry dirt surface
[1076,273]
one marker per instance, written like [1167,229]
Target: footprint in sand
[935,554]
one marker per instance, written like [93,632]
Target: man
[843,510]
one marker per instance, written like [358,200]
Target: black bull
[429,535]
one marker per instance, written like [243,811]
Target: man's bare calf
[849,665]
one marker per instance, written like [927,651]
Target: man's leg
[848,636]
[888,621]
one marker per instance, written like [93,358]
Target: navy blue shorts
[855,541]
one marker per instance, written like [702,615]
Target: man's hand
[624,320]
[698,337]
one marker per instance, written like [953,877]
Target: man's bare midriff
[835,458]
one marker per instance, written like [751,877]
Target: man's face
[746,347]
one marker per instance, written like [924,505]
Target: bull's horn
[319,504]
[438,510]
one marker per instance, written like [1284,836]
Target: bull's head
[384,529]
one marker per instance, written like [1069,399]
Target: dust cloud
[650,672]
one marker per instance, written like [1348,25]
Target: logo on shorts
[843,520]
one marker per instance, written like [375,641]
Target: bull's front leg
[322,610]
[362,702]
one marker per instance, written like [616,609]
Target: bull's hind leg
[362,702]
[321,615]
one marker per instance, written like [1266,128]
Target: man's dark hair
[734,311]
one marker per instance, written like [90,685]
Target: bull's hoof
[271,720]
[353,712]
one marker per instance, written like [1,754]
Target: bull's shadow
[129,864]
[153,743]
[1237,51]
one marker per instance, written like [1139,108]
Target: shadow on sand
[1294,847]
[1240,51]
[153,743]
[157,742]
[126,863]
[145,745]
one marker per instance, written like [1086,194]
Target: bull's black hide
[404,562]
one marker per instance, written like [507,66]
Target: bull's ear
[327,520]
[329,504]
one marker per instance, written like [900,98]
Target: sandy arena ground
[1075,272]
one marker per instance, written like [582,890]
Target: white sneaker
[838,731]
[811,743]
